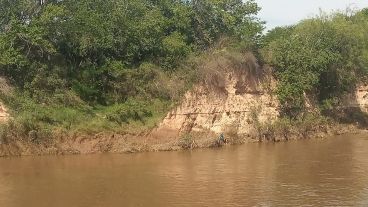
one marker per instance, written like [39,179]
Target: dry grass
[215,67]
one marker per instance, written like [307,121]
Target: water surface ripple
[330,172]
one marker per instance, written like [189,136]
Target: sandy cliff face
[205,110]
[358,99]
[4,115]
[361,97]
[5,88]
[217,111]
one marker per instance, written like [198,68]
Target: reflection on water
[330,172]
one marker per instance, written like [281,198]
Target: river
[316,172]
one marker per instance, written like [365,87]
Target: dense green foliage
[106,63]
[321,58]
[92,47]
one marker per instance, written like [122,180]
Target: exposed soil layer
[117,143]
[228,102]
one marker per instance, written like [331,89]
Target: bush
[131,110]
[286,128]
[323,56]
[186,141]
[231,135]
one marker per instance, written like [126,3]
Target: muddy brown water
[329,172]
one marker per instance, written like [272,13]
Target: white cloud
[286,12]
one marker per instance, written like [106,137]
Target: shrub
[322,56]
[186,141]
[231,134]
[131,110]
[286,128]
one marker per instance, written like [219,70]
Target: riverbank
[64,144]
[236,101]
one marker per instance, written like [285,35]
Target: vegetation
[103,65]
[286,128]
[116,65]
[321,58]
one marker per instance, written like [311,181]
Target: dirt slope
[229,105]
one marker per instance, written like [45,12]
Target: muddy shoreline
[65,144]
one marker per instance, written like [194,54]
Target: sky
[287,12]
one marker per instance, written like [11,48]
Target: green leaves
[321,57]
[129,111]
[75,42]
[215,18]
[174,49]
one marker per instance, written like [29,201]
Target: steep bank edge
[203,110]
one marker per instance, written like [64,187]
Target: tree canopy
[91,45]
[324,57]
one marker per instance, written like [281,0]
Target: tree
[321,57]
